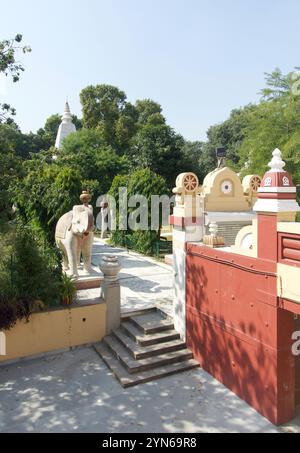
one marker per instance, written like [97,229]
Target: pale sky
[198,58]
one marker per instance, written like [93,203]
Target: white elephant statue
[74,236]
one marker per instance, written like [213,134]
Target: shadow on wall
[227,332]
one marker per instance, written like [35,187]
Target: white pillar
[181,236]
[110,292]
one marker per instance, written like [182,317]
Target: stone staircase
[144,348]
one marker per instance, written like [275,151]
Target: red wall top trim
[289,305]
[255,265]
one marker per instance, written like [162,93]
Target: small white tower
[66,127]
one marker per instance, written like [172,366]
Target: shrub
[30,275]
[35,272]
[141,182]
[144,241]
[46,193]
[11,312]
[67,290]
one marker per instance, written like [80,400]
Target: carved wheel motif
[190,183]
[255,183]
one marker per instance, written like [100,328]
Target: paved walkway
[75,392]
[145,282]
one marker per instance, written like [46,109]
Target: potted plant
[68,290]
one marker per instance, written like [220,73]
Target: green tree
[106,109]
[96,162]
[140,182]
[125,127]
[46,193]
[11,67]
[229,134]
[23,145]
[10,168]
[159,148]
[279,84]
[274,123]
[194,156]
[149,112]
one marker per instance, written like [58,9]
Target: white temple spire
[66,127]
[277,164]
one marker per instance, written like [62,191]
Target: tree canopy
[9,48]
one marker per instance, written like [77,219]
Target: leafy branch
[11,67]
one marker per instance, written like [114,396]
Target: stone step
[135,366]
[147,340]
[143,352]
[130,380]
[143,311]
[152,323]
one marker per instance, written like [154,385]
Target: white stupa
[66,127]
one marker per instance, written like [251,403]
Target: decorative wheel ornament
[190,182]
[255,183]
[226,187]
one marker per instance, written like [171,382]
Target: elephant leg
[87,252]
[71,245]
[79,247]
[65,263]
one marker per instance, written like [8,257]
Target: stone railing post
[110,292]
[2,343]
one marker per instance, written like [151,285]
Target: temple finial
[67,126]
[67,107]
[277,164]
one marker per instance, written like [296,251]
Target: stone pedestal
[110,292]
[88,280]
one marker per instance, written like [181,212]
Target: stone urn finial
[85,197]
[213,229]
[213,239]
[110,267]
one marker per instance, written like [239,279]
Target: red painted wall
[297,368]
[267,236]
[237,330]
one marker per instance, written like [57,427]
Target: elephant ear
[63,225]
[83,218]
[80,220]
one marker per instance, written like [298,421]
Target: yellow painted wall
[288,227]
[215,200]
[288,282]
[56,330]
[288,276]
